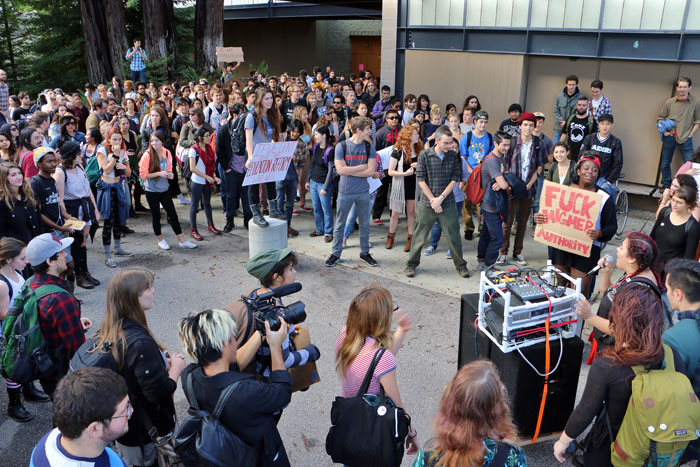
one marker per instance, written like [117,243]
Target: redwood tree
[208,32]
[116,35]
[159,31]
[99,65]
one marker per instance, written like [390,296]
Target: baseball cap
[481,114]
[44,246]
[605,117]
[40,152]
[261,264]
[539,115]
[527,116]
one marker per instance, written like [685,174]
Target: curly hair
[473,406]
[403,143]
[636,321]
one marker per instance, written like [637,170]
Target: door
[366,54]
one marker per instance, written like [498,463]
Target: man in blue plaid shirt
[138,62]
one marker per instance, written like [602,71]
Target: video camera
[265,307]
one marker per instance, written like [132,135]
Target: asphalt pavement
[214,275]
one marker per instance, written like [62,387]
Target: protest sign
[270,162]
[229,54]
[570,213]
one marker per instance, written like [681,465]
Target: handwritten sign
[229,54]
[570,213]
[270,162]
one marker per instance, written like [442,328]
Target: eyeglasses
[129,411]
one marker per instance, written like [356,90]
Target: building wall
[636,89]
[293,44]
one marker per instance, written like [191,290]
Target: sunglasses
[337,102]
[70,123]
[392,118]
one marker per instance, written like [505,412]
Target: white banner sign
[270,162]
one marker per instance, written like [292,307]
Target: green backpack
[662,417]
[92,169]
[25,355]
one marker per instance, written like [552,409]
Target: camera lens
[295,313]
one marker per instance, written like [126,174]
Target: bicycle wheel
[622,211]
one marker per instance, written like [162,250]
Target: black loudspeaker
[523,384]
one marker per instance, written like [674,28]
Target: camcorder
[265,307]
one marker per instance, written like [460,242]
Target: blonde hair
[435,111]
[6,192]
[297,115]
[370,314]
[204,334]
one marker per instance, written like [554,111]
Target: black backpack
[237,131]
[88,355]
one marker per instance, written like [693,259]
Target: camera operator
[274,268]
[209,338]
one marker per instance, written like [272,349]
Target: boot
[229,225]
[258,218]
[213,229]
[83,282]
[274,212]
[389,240]
[33,394]
[407,248]
[89,277]
[194,234]
[15,408]
[246,219]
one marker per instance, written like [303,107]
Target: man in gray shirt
[355,161]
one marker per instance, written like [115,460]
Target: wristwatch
[443,197]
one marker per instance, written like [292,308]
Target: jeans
[449,221]
[235,191]
[137,76]
[254,192]
[343,205]
[491,238]
[203,193]
[536,201]
[608,187]
[323,212]
[436,231]
[350,223]
[222,186]
[286,191]
[668,149]
[557,136]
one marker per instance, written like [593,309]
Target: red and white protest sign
[270,162]
[570,213]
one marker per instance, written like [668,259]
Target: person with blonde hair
[473,425]
[209,339]
[367,330]
[150,372]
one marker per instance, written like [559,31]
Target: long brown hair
[154,159]
[473,406]
[636,321]
[123,303]
[6,191]
[273,115]
[403,143]
[370,314]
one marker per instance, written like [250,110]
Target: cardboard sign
[229,54]
[570,213]
[307,374]
[270,162]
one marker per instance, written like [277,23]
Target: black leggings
[254,192]
[155,199]
[112,224]
[203,193]
[79,253]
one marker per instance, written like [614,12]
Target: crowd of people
[74,163]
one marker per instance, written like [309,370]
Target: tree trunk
[208,33]
[97,51]
[159,31]
[7,35]
[116,35]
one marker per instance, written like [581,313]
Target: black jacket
[23,222]
[150,388]
[386,137]
[224,154]
[250,410]
[609,153]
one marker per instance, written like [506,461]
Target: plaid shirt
[438,174]
[603,108]
[512,161]
[137,61]
[4,97]
[59,317]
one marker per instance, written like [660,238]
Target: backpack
[469,141]
[474,191]
[328,150]
[204,440]
[662,417]
[237,131]
[186,172]
[25,354]
[92,169]
[88,355]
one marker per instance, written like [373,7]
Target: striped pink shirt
[350,384]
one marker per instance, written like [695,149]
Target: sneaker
[520,259]
[187,244]
[377,222]
[502,259]
[295,213]
[429,251]
[464,272]
[305,208]
[468,234]
[409,271]
[332,261]
[120,252]
[448,255]
[109,262]
[163,245]
[481,266]
[184,201]
[369,260]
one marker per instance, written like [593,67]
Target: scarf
[207,157]
[397,201]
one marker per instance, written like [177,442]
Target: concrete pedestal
[262,238]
